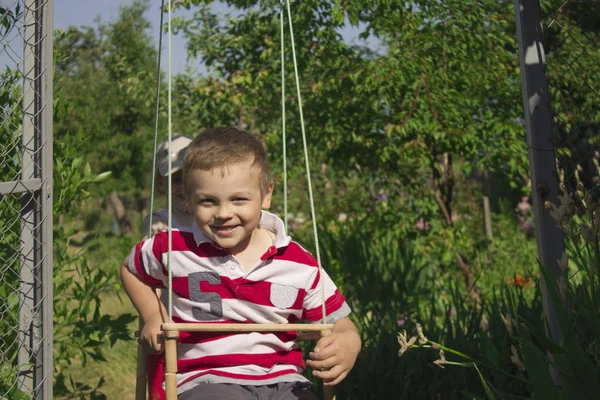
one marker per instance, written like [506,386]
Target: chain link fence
[26,199]
[572,41]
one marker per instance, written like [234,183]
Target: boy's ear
[266,200]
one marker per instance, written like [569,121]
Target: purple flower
[382,196]
[453,312]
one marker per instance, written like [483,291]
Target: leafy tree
[572,45]
[437,105]
[81,332]
[109,78]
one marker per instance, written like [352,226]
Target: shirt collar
[273,223]
[267,220]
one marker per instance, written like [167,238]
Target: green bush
[515,357]
[391,287]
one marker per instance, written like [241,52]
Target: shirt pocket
[283,296]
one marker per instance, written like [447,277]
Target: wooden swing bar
[171,331]
[200,327]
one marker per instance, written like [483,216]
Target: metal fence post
[35,294]
[47,120]
[26,360]
[542,161]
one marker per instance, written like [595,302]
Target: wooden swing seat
[171,332]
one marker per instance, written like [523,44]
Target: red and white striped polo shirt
[210,285]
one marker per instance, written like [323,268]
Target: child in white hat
[181,216]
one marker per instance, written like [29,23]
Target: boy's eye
[206,201]
[240,199]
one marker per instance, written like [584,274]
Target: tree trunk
[442,192]
[120,213]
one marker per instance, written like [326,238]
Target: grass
[106,250]
[119,371]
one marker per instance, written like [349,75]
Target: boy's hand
[152,335]
[334,356]
[148,305]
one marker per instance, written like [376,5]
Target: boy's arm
[148,306]
[335,355]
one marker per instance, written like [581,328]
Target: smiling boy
[237,265]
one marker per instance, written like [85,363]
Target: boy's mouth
[224,230]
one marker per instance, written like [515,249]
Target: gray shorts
[228,391]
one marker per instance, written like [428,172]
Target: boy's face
[226,203]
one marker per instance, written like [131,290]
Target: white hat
[179,144]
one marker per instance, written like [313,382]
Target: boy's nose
[223,212]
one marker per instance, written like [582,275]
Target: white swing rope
[304,142]
[169,185]
[156,111]
[310,193]
[283,135]
[170,210]
[156,118]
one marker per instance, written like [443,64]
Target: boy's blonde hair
[224,146]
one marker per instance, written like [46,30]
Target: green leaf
[487,389]
[537,368]
[101,177]
[546,342]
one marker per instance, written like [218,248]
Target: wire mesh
[25,204]
[572,40]
[9,294]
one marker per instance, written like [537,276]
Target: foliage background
[405,141]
